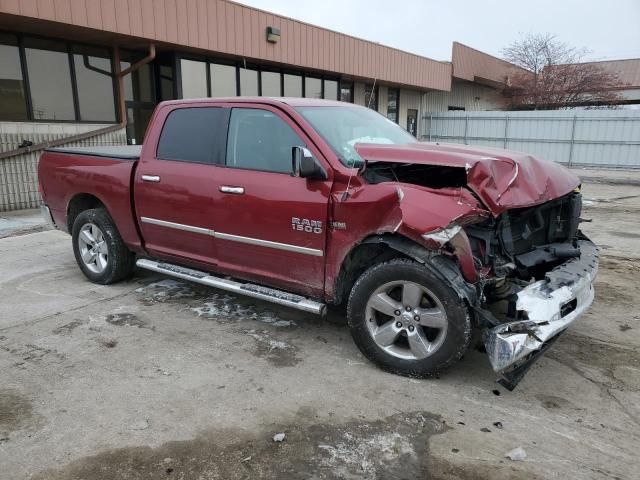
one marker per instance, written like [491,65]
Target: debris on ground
[140,424]
[498,425]
[517,454]
[108,342]
[278,437]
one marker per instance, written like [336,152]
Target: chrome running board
[250,290]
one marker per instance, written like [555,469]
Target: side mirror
[304,165]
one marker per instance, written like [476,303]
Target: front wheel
[406,320]
[99,249]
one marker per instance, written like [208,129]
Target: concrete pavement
[154,378]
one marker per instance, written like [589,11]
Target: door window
[260,140]
[194,135]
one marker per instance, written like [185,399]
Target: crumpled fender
[411,211]
[437,220]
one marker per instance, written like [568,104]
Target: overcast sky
[609,28]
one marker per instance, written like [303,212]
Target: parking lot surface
[156,378]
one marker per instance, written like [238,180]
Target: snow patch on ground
[267,341]
[366,454]
[167,289]
[219,306]
[226,306]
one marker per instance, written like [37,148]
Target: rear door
[270,225]
[174,184]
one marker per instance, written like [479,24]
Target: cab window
[194,135]
[260,140]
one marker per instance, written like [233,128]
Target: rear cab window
[195,134]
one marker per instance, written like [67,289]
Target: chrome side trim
[177,226]
[266,243]
[235,238]
[251,290]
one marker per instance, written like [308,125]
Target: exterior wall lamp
[273,35]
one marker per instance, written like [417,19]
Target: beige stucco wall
[409,99]
[467,95]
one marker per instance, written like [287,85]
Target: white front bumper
[551,305]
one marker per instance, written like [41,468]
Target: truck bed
[121,152]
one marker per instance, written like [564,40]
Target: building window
[331,89]
[53,80]
[292,85]
[346,92]
[248,82]
[451,108]
[194,78]
[271,84]
[166,82]
[12,90]
[371,97]
[138,85]
[49,79]
[223,80]
[312,87]
[393,100]
[94,77]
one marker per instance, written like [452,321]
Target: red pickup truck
[308,202]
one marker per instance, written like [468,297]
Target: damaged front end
[547,307]
[512,229]
[543,269]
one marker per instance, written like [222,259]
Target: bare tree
[552,75]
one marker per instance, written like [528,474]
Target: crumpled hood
[502,179]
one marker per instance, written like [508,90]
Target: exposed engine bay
[432,176]
[529,241]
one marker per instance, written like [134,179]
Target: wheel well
[80,203]
[357,261]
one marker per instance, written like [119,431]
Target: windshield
[343,127]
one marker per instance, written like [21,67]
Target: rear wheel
[407,320]
[99,250]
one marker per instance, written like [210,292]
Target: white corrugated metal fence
[589,138]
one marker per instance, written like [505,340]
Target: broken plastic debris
[278,437]
[517,454]
[444,235]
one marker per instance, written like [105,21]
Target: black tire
[454,337]
[119,260]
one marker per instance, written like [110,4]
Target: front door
[270,226]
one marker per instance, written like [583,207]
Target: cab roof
[291,101]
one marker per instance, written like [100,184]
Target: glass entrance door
[412,122]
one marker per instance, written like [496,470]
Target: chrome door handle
[151,178]
[236,190]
